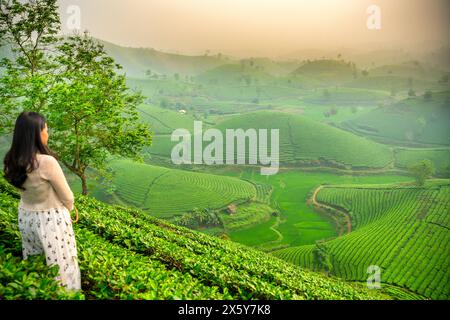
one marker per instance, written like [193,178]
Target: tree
[91,110]
[29,29]
[422,171]
[73,82]
[322,257]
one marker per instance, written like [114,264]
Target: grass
[299,224]
[256,235]
[125,254]
[147,187]
[164,121]
[247,215]
[303,141]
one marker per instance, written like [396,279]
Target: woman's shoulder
[46,159]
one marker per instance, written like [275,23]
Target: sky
[261,27]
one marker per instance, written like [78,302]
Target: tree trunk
[84,184]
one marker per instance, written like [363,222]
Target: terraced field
[164,121]
[300,256]
[303,141]
[402,229]
[137,256]
[146,186]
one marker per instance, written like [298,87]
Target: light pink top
[46,187]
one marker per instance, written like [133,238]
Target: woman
[46,198]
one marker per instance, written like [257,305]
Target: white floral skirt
[50,232]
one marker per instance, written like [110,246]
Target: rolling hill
[136,61]
[406,157]
[401,229]
[164,121]
[412,121]
[146,187]
[327,71]
[234,74]
[303,141]
[126,254]
[409,69]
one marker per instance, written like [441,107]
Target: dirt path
[324,206]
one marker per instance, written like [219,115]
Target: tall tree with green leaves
[422,171]
[29,29]
[91,110]
[91,113]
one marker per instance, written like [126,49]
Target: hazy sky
[261,27]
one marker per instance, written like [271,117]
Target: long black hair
[21,158]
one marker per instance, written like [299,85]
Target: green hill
[164,121]
[305,142]
[126,254]
[302,142]
[401,229]
[274,68]
[393,83]
[405,158]
[145,186]
[411,69]
[327,70]
[136,61]
[234,74]
[410,121]
[401,77]
[346,97]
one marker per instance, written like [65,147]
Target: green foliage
[328,71]
[422,171]
[92,112]
[146,186]
[405,158]
[73,82]
[401,229]
[247,215]
[29,279]
[305,142]
[198,218]
[126,254]
[29,29]
[321,257]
